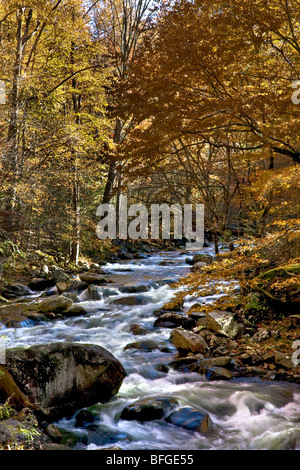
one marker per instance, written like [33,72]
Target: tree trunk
[112,171]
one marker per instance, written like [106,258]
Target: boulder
[55,304]
[208,322]
[148,409]
[191,419]
[75,311]
[201,258]
[92,278]
[57,274]
[91,293]
[215,372]
[137,329]
[197,266]
[187,341]
[60,378]
[71,285]
[173,320]
[11,291]
[132,288]
[14,316]
[130,301]
[40,284]
[146,345]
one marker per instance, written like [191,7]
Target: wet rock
[146,346]
[11,291]
[55,304]
[71,286]
[207,259]
[191,419]
[84,417]
[224,361]
[39,284]
[13,316]
[130,301]
[186,341]
[167,262]
[63,377]
[197,266]
[57,274]
[215,372]
[92,278]
[185,364]
[149,409]
[173,320]
[91,293]
[75,311]
[132,288]
[136,329]
[208,322]
[96,269]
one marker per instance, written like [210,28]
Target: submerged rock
[60,378]
[191,419]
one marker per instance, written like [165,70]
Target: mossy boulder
[60,378]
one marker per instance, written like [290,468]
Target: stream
[246,413]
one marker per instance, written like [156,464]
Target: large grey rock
[63,377]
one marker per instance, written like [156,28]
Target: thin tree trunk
[264,218]
[75,241]
[112,171]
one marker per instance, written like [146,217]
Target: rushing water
[246,414]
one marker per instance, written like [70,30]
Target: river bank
[121,305]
